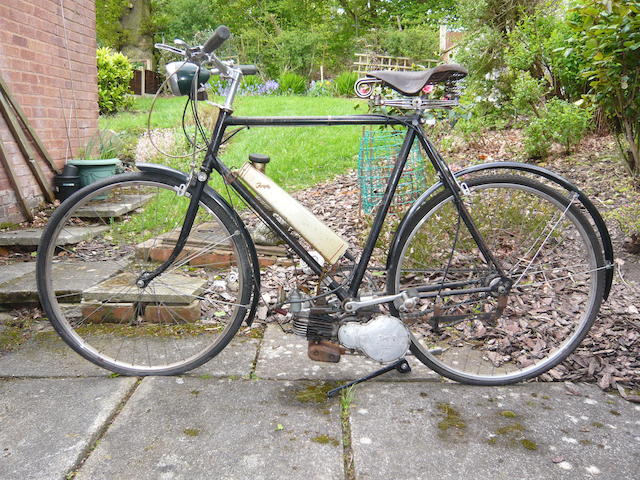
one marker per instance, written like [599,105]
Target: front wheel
[99,242]
[555,272]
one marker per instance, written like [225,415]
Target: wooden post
[21,141]
[4,158]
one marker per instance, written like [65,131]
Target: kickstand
[401,366]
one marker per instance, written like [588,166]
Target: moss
[9,225]
[150,330]
[257,333]
[452,418]
[205,376]
[513,428]
[492,440]
[316,393]
[325,439]
[10,338]
[191,432]
[534,394]
[614,412]
[546,397]
[586,442]
[508,414]
[195,392]
[528,444]
[597,424]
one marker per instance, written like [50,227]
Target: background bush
[607,38]
[344,83]
[114,74]
[292,83]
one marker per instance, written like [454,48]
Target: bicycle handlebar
[221,35]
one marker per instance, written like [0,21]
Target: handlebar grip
[221,34]
[247,69]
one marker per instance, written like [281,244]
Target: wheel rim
[528,338]
[182,317]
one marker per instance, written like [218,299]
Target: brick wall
[35,50]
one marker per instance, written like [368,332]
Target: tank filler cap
[259,161]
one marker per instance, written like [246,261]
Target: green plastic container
[94,170]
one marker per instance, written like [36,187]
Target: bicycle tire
[535,331]
[184,317]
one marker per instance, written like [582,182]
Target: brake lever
[169,48]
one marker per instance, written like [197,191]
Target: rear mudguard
[222,203]
[603,232]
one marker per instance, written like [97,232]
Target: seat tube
[381,214]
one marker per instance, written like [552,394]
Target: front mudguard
[604,239]
[222,203]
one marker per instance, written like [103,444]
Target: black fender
[603,232]
[224,205]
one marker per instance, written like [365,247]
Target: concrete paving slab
[71,278]
[46,425]
[236,360]
[30,237]
[284,357]
[190,428]
[46,355]
[111,209]
[530,431]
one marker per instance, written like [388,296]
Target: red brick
[169,314]
[107,312]
[33,61]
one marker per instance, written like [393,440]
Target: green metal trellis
[378,152]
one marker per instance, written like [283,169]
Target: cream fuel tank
[328,243]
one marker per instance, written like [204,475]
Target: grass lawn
[300,156]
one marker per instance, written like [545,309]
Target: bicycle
[493,276]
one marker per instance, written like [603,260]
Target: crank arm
[404,301]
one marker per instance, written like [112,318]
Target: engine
[383,338]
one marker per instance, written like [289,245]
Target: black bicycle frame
[212,162]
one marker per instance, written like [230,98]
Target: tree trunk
[632,157]
[138,44]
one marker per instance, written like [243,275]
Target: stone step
[113,208]
[30,237]
[214,244]
[18,280]
[169,288]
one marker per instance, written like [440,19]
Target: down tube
[381,214]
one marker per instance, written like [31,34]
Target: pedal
[324,351]
[401,366]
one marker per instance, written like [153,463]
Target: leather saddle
[412,83]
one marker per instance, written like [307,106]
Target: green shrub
[292,83]
[537,142]
[528,93]
[114,74]
[567,122]
[345,83]
[560,122]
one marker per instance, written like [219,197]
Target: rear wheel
[129,224]
[550,255]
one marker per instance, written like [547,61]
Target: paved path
[256,412]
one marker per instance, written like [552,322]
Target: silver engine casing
[383,338]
